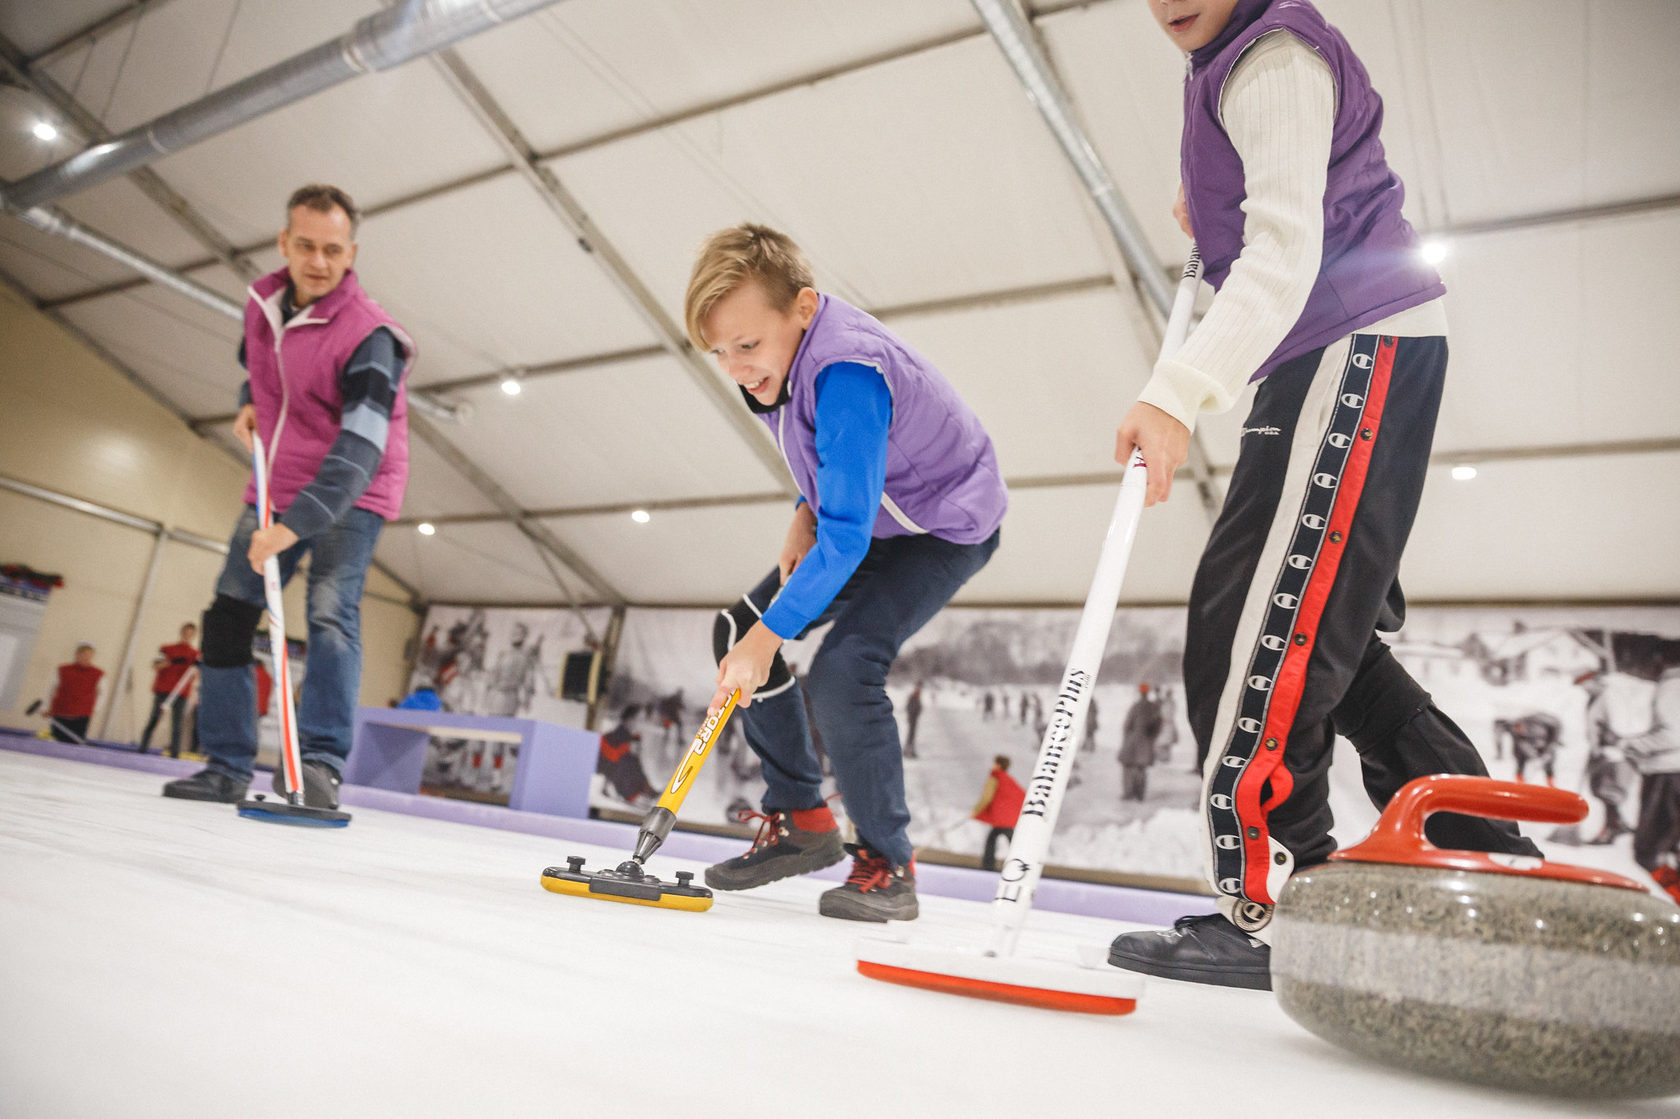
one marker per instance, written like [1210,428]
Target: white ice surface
[167,958]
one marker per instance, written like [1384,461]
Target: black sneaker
[320,784]
[207,784]
[1202,949]
[788,843]
[874,891]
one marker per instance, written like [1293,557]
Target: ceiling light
[511,385]
[1436,250]
[640,516]
[1463,472]
[45,130]
[426,528]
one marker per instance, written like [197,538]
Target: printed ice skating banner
[495,661]
[1525,684]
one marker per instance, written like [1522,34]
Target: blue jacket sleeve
[854,410]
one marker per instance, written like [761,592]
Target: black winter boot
[320,784]
[207,784]
[788,843]
[1203,949]
[874,891]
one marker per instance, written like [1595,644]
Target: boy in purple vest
[1324,299]
[900,503]
[326,367]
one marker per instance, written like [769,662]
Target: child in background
[900,503]
[75,696]
[1323,297]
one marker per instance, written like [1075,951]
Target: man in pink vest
[326,367]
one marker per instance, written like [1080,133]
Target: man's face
[1192,24]
[753,342]
[318,251]
[188,633]
[84,656]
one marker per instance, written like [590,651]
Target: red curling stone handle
[1398,837]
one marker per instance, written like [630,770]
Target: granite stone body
[1515,982]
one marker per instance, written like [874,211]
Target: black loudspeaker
[580,676]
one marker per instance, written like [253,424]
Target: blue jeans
[227,706]
[902,582]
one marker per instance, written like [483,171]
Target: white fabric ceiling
[893,141]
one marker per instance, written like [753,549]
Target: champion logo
[1287,601]
[1227,842]
[1300,562]
[1313,521]
[1328,481]
[1260,683]
[1340,441]
[1231,886]
[1273,642]
[1268,430]
[1232,761]
[1221,801]
[1252,726]
[1353,400]
[1364,361]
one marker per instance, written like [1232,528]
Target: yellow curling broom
[629,882]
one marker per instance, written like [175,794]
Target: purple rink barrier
[556,764]
[1056,895]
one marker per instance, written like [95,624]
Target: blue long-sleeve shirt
[368,391]
[854,410]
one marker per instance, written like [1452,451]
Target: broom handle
[290,758]
[1031,842]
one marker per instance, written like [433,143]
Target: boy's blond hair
[729,258]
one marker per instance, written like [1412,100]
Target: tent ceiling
[893,141]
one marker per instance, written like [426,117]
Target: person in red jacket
[173,662]
[1000,806]
[76,696]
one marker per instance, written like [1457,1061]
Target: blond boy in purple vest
[326,368]
[900,503]
[1325,300]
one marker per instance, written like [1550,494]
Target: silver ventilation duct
[1015,37]
[378,42]
[52,221]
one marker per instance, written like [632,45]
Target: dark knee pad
[729,627]
[229,626]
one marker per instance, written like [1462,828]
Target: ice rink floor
[167,958]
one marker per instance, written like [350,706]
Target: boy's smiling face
[753,342]
[1192,24]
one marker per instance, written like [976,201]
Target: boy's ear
[805,305]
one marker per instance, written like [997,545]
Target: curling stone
[1516,973]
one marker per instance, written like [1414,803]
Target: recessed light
[1463,472]
[640,516]
[511,386]
[45,130]
[426,528]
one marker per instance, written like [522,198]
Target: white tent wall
[893,141]
[73,425]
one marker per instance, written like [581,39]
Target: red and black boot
[788,843]
[876,890]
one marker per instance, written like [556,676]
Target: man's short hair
[729,258]
[323,198]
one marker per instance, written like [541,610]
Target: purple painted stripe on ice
[1118,903]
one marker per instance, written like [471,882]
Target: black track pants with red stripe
[1299,574]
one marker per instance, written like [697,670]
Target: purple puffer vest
[298,380]
[942,473]
[1371,267]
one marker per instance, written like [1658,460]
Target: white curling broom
[996,972]
[292,810]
